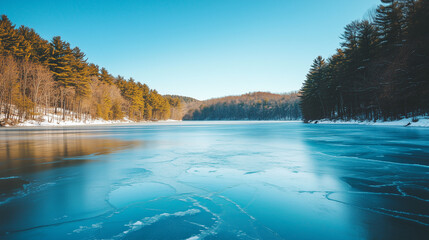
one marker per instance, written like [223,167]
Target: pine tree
[80,73]
[60,62]
[39,51]
[106,77]
[9,37]
[390,19]
[311,95]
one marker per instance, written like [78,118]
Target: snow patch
[420,121]
[52,119]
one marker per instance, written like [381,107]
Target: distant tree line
[38,78]
[180,105]
[381,70]
[182,99]
[252,106]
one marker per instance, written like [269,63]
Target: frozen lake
[215,180]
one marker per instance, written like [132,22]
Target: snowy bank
[420,121]
[33,123]
[56,120]
[52,120]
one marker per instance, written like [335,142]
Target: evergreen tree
[60,62]
[9,37]
[311,93]
[105,76]
[39,51]
[81,73]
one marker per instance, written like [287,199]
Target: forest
[50,78]
[251,106]
[381,70]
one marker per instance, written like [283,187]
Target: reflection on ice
[30,151]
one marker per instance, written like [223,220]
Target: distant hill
[183,99]
[180,105]
[250,106]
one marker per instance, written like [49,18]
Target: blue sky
[197,48]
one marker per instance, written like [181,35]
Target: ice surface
[217,180]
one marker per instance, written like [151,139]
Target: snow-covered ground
[56,120]
[422,121]
[29,123]
[33,123]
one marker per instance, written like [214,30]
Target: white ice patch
[132,227]
[193,238]
[84,228]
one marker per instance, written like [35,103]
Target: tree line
[251,106]
[50,78]
[381,70]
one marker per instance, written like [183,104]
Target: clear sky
[197,48]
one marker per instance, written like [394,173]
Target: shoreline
[29,124]
[98,122]
[422,121]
